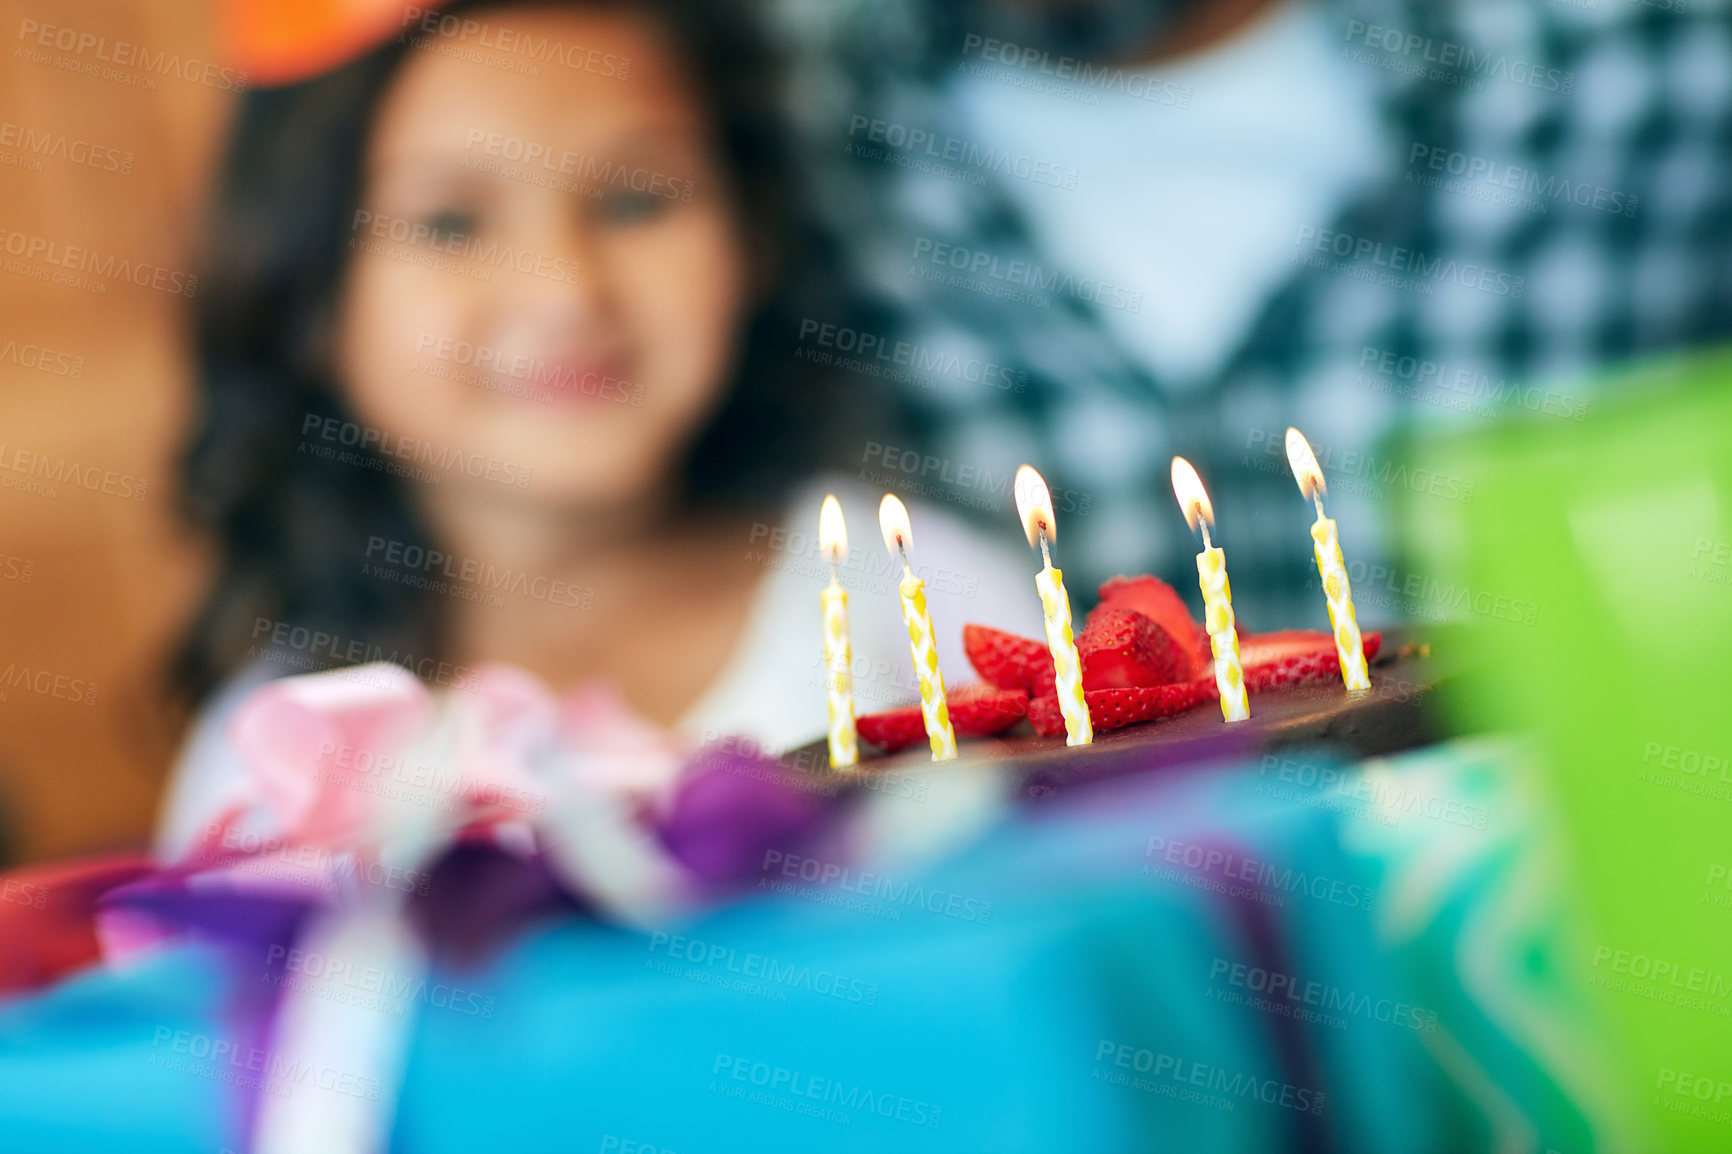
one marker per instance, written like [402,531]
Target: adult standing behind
[1178,226]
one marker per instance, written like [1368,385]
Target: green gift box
[1594,567]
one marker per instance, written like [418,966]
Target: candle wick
[1317,499]
[1045,553]
[1203,523]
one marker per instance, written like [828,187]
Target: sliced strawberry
[1122,649]
[1008,661]
[1294,657]
[1163,605]
[975,711]
[892,729]
[1112,708]
[1046,717]
[980,710]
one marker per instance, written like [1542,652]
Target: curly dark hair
[288,526]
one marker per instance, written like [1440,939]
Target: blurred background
[1219,208]
[1533,444]
[96,582]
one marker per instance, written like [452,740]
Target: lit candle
[893,520]
[838,679]
[1330,567]
[1034,506]
[1217,598]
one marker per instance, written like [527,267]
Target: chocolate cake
[1398,712]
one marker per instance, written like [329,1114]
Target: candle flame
[1304,463]
[893,520]
[1188,488]
[832,531]
[1034,506]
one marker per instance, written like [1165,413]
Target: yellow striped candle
[1034,506]
[1331,569]
[922,642]
[838,676]
[1217,596]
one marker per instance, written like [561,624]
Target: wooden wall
[94,581]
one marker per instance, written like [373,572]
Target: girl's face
[547,274]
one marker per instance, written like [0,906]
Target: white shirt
[771,689]
[1197,203]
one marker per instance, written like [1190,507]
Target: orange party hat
[284,41]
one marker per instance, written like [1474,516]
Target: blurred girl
[505,355]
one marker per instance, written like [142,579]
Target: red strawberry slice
[1163,605]
[980,710]
[892,729]
[1294,657]
[1008,661]
[1122,649]
[1112,708]
[975,711]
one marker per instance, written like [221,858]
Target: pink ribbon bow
[364,773]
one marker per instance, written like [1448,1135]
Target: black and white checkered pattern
[1626,102]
